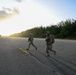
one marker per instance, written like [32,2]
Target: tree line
[64,29]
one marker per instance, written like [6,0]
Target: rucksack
[52,39]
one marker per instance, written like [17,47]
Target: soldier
[30,40]
[49,41]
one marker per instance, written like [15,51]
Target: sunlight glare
[31,15]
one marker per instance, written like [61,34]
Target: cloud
[7,13]
[16,11]
[23,0]
[19,0]
[3,15]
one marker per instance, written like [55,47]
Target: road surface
[13,61]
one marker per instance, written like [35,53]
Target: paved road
[14,62]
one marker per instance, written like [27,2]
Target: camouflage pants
[49,48]
[31,43]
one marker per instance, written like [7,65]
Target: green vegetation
[64,30]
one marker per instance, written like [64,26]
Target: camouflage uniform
[49,44]
[30,40]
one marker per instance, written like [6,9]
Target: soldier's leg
[47,50]
[34,45]
[53,50]
[29,46]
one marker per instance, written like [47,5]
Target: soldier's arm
[28,39]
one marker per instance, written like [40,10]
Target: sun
[7,27]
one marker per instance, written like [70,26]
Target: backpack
[52,39]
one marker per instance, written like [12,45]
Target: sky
[21,15]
